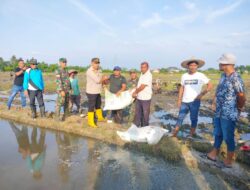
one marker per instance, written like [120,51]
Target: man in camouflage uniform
[131,84]
[63,89]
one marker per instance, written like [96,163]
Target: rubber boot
[42,111]
[91,120]
[57,114]
[99,115]
[33,113]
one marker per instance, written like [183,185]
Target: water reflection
[32,149]
[66,147]
[63,161]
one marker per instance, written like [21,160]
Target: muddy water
[32,158]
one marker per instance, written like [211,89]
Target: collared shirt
[93,85]
[146,79]
[226,96]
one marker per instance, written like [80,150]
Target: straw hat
[199,62]
[73,71]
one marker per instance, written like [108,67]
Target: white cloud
[239,34]
[166,7]
[181,21]
[81,6]
[190,5]
[177,22]
[223,11]
[154,20]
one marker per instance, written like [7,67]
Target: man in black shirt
[117,85]
[18,84]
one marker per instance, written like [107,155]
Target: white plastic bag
[113,102]
[150,134]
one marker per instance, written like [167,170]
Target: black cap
[33,61]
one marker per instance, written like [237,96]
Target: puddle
[170,117]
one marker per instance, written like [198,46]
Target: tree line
[10,65]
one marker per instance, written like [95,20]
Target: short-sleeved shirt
[115,83]
[146,79]
[18,79]
[192,84]
[93,85]
[226,96]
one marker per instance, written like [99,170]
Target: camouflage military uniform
[62,84]
[130,110]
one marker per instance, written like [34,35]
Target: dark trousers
[33,95]
[74,99]
[142,110]
[117,115]
[94,102]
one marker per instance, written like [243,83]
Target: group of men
[228,101]
[118,84]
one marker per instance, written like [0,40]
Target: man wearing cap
[117,84]
[93,91]
[75,95]
[63,88]
[190,93]
[143,95]
[230,100]
[133,80]
[131,84]
[18,84]
[33,86]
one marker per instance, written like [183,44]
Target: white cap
[227,58]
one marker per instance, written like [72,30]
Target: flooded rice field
[33,158]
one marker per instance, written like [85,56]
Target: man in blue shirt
[230,100]
[33,86]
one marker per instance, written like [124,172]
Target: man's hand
[62,93]
[26,93]
[134,95]
[24,68]
[199,97]
[118,93]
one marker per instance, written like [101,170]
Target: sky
[125,33]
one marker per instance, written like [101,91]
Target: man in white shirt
[190,93]
[143,95]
